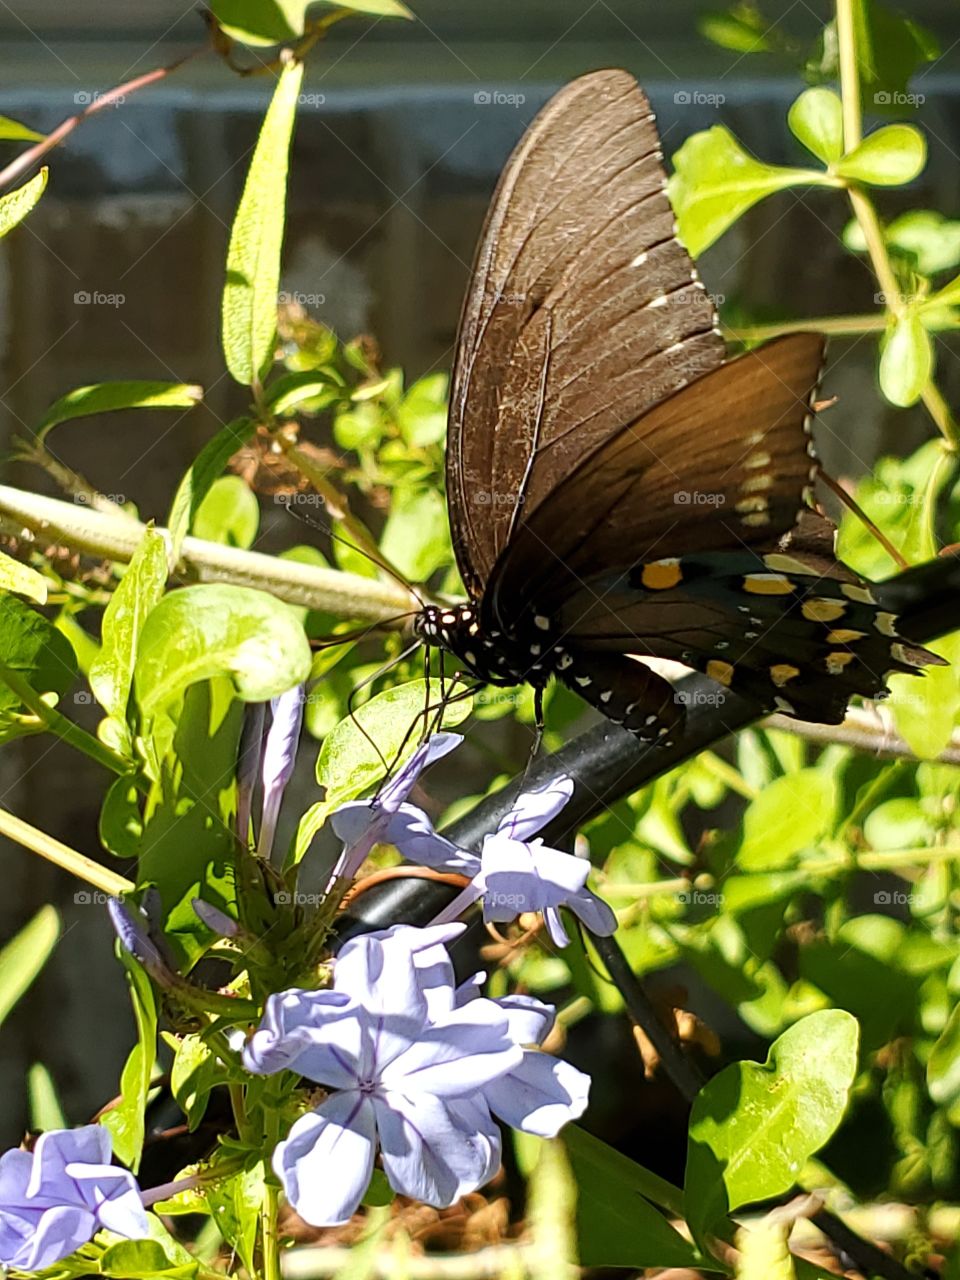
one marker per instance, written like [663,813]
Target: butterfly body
[618,491]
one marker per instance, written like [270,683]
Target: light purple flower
[361,824]
[513,872]
[542,1093]
[408,1072]
[279,758]
[58,1197]
[132,929]
[249,755]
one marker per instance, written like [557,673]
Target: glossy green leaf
[15,206]
[14,131]
[235,1205]
[35,650]
[139,590]
[253,258]
[816,119]
[25,955]
[617,1226]
[753,1126]
[105,397]
[204,470]
[349,764]
[286,393]
[786,817]
[229,514]
[215,629]
[888,157]
[716,181]
[21,579]
[906,360]
[126,1121]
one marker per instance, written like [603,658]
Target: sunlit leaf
[105,397]
[25,955]
[253,258]
[203,471]
[715,181]
[14,131]
[906,360]
[21,579]
[229,514]
[786,817]
[816,119]
[15,206]
[888,157]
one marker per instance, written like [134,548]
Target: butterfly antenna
[852,505]
[359,633]
[365,683]
[375,558]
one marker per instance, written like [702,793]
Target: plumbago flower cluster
[414,1068]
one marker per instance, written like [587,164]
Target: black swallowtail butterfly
[616,489]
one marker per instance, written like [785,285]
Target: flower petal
[465,1051]
[318,1032]
[59,1148]
[594,912]
[393,794]
[56,1234]
[325,1163]
[520,877]
[529,1020]
[430,1150]
[411,831]
[534,809]
[427,948]
[540,1096]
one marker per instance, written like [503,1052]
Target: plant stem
[116,537]
[838,326]
[62,855]
[54,722]
[866,215]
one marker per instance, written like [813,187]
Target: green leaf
[204,470]
[888,157]
[931,239]
[267,22]
[25,955]
[715,181]
[194,1073]
[14,131]
[741,30]
[787,816]
[617,1225]
[377,8]
[229,514]
[45,1109]
[253,259]
[235,1205]
[416,536]
[139,590]
[926,710]
[215,629]
[906,360]
[752,1127]
[292,389]
[349,764]
[105,397]
[126,1121]
[551,1214]
[422,413]
[34,649]
[20,578]
[158,1256]
[121,822]
[816,119]
[943,1067]
[15,206]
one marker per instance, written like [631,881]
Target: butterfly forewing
[723,463]
[583,311]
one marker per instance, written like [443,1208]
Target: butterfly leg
[627,692]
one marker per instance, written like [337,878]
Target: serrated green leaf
[753,1126]
[888,157]
[906,360]
[816,119]
[15,206]
[253,259]
[139,590]
[204,470]
[105,397]
[23,580]
[200,632]
[715,181]
[14,131]
[229,514]
[25,955]
[787,816]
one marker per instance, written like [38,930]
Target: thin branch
[26,160]
[62,855]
